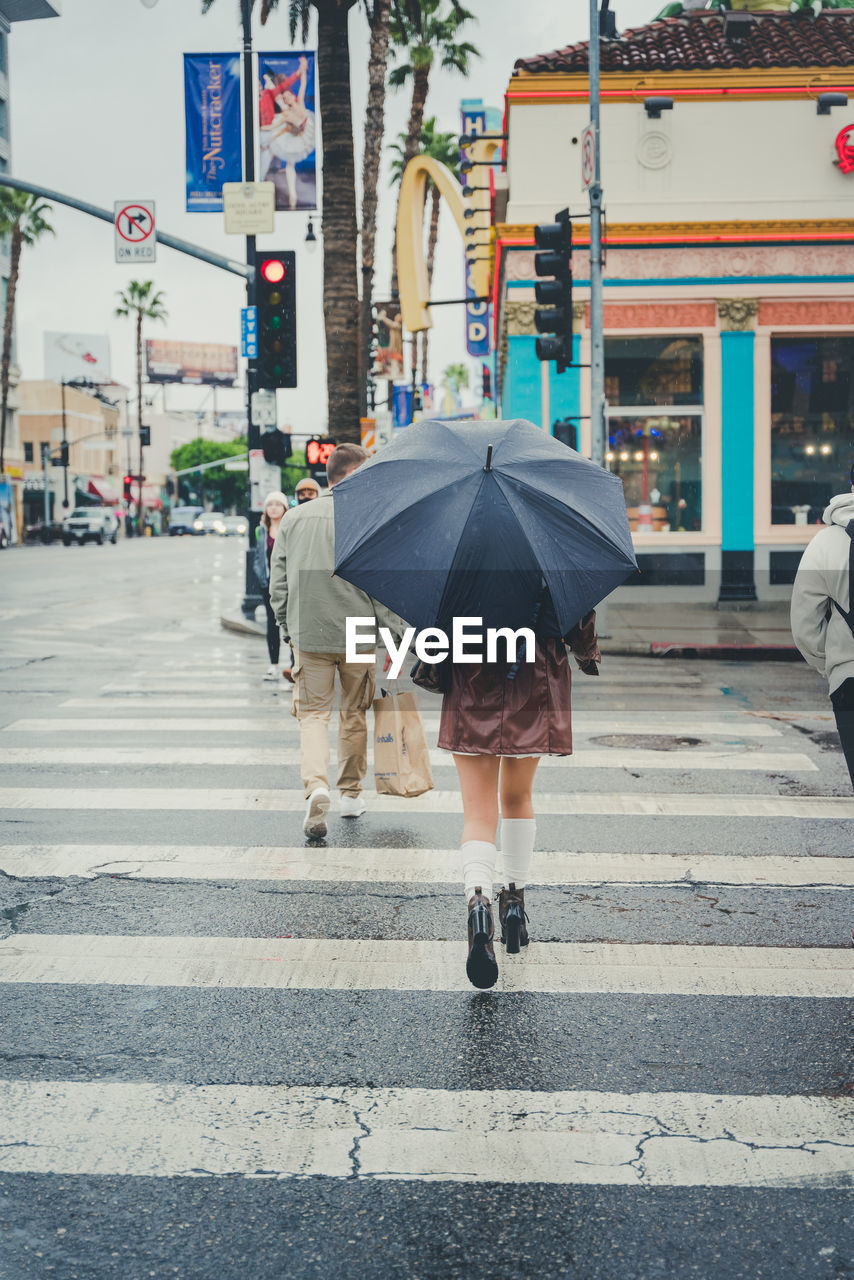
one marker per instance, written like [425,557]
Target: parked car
[90,524]
[235,526]
[209,522]
[181,520]
[41,532]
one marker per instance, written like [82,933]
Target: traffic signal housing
[554,290]
[63,454]
[276,446]
[276,299]
[126,490]
[317,451]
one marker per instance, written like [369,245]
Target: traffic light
[566,431]
[275,288]
[486,381]
[126,490]
[317,451]
[145,437]
[63,454]
[276,447]
[555,238]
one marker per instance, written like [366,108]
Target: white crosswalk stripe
[437,801]
[722,759]
[361,865]
[315,964]
[614,1139]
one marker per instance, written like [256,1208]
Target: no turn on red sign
[134,231]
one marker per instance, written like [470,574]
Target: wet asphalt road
[132,632]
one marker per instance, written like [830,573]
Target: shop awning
[102,489]
[150,496]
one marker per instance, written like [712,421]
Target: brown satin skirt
[484,713]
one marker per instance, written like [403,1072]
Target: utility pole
[64,453]
[597,344]
[251,597]
[45,463]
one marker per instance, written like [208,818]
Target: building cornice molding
[520,235]
[700,86]
[737,315]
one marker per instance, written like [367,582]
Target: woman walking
[275,506]
[498,719]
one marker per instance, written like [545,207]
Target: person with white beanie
[822,613]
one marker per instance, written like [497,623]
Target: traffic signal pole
[251,597]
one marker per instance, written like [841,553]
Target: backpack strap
[849,616]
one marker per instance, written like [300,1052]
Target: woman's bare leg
[517,784]
[478,777]
[291,176]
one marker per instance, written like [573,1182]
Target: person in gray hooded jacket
[823,611]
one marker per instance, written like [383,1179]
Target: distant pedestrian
[307,490]
[823,611]
[275,506]
[312,606]
[499,719]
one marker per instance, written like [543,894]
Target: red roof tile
[696,42]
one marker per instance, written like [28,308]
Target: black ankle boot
[481,965]
[512,917]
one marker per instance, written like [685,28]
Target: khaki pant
[314,690]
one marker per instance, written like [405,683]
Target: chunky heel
[513,916]
[512,928]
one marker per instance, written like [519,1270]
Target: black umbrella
[469,518]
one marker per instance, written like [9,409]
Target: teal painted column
[522,393]
[737,446]
[565,391]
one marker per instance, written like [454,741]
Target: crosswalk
[120,899]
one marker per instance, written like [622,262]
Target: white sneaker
[316,809]
[352,806]
[272,672]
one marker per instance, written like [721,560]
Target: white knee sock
[517,849]
[478,857]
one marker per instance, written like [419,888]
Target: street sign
[249,207]
[264,478]
[263,409]
[249,333]
[588,156]
[236,464]
[134,231]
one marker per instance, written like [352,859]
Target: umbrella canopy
[468,518]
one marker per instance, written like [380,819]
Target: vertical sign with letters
[473,121]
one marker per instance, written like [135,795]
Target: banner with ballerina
[287,130]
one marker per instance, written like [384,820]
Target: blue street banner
[212,119]
[287,127]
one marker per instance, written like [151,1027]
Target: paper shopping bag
[401,758]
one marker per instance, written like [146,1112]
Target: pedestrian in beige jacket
[312,606]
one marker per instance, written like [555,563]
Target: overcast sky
[97,111]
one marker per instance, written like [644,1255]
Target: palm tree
[455,377]
[23,217]
[374,130]
[340,233]
[426,34]
[140,300]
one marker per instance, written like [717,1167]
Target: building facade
[12,481]
[729,281]
[49,413]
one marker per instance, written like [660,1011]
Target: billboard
[212,123]
[287,128]
[388,355]
[76,355]
[194,362]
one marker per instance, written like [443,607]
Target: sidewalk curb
[243,625]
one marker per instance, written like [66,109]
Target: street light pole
[64,453]
[251,597]
[597,344]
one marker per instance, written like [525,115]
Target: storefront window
[812,424]
[654,390]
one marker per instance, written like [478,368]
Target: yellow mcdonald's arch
[413,284]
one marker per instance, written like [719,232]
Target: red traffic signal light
[127,488]
[273,270]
